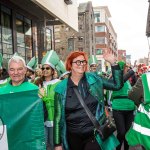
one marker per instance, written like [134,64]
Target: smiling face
[79,65]
[17,72]
[47,71]
[93,67]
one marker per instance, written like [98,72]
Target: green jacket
[49,101]
[96,86]
[121,100]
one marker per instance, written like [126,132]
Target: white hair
[17,59]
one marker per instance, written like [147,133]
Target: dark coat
[136,93]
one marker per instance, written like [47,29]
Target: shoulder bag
[104,130]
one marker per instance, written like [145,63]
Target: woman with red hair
[73,130]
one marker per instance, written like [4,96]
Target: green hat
[93,60]
[121,64]
[15,54]
[146,87]
[32,64]
[61,69]
[1,60]
[51,58]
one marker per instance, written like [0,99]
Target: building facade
[26,26]
[67,39]
[105,35]
[86,34]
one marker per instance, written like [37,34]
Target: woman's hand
[41,92]
[58,148]
[109,56]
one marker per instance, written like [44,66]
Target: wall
[66,13]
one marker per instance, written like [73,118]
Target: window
[99,28]
[48,39]
[101,40]
[80,38]
[70,44]
[6,33]
[24,39]
[99,51]
[97,17]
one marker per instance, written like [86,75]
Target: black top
[77,120]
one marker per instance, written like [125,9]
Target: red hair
[73,55]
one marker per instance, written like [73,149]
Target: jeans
[123,120]
[49,137]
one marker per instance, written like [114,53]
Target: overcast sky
[129,18]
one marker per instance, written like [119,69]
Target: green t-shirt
[25,86]
[121,100]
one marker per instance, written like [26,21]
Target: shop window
[48,39]
[6,32]
[24,37]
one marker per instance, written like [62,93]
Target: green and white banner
[21,121]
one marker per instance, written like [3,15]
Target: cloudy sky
[129,18]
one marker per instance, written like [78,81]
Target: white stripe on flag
[142,130]
[4,141]
[142,110]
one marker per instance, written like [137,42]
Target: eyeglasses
[78,62]
[47,68]
[93,66]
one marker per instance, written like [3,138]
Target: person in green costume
[31,67]
[18,82]
[73,129]
[123,108]
[93,63]
[49,62]
[139,134]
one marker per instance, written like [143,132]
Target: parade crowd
[121,93]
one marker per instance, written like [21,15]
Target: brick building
[105,35]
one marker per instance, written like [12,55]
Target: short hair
[16,59]
[73,55]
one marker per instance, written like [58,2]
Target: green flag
[22,114]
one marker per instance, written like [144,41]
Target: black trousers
[123,120]
[82,142]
